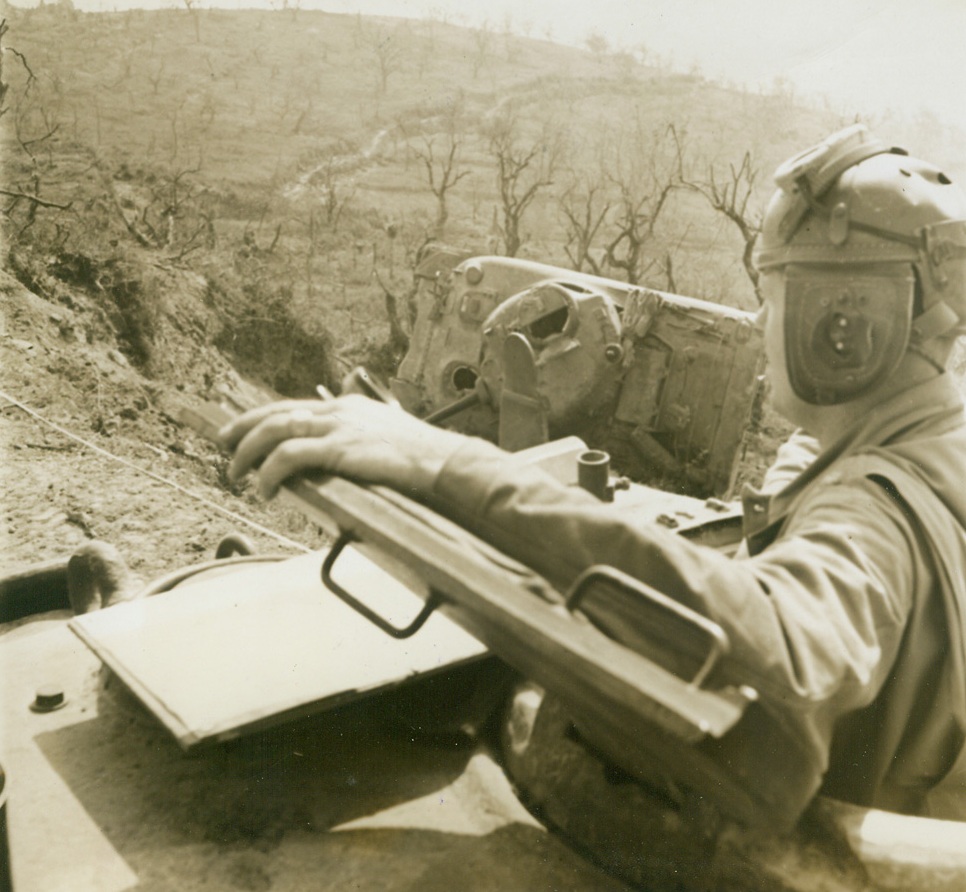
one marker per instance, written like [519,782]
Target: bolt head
[613,353]
[473,273]
[48,698]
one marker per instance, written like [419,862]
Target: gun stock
[647,719]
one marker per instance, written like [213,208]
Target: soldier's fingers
[267,435]
[238,428]
[293,457]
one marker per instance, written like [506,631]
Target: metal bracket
[523,415]
[432,602]
[718,643]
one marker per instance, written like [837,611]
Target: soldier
[846,608]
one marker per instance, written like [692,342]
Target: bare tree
[190,5]
[584,205]
[176,218]
[312,241]
[483,41]
[666,263]
[155,77]
[4,86]
[668,268]
[636,217]
[388,51]
[730,196]
[30,138]
[401,305]
[525,165]
[644,179]
[334,195]
[425,53]
[441,159]
[397,313]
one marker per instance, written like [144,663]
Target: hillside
[201,202]
[314,128]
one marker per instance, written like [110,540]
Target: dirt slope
[61,361]
[239,817]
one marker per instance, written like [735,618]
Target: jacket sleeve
[814,620]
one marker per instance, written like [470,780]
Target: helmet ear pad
[845,329]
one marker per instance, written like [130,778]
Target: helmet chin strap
[922,353]
[938,320]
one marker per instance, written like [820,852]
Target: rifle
[632,666]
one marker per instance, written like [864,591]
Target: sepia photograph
[482,446]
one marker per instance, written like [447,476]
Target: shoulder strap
[946,540]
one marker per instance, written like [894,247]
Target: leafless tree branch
[731,197]
[26,196]
[524,167]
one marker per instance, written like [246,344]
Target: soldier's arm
[813,620]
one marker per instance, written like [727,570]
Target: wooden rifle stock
[648,720]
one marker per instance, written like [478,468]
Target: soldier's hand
[352,436]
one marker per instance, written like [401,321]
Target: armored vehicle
[409,708]
[520,352]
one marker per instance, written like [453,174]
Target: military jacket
[846,610]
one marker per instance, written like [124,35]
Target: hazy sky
[866,55]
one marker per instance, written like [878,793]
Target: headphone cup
[844,332]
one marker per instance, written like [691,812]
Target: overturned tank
[521,352]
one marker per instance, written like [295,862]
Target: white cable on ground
[33,413]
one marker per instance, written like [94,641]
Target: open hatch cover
[236,649]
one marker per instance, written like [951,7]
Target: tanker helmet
[872,245]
